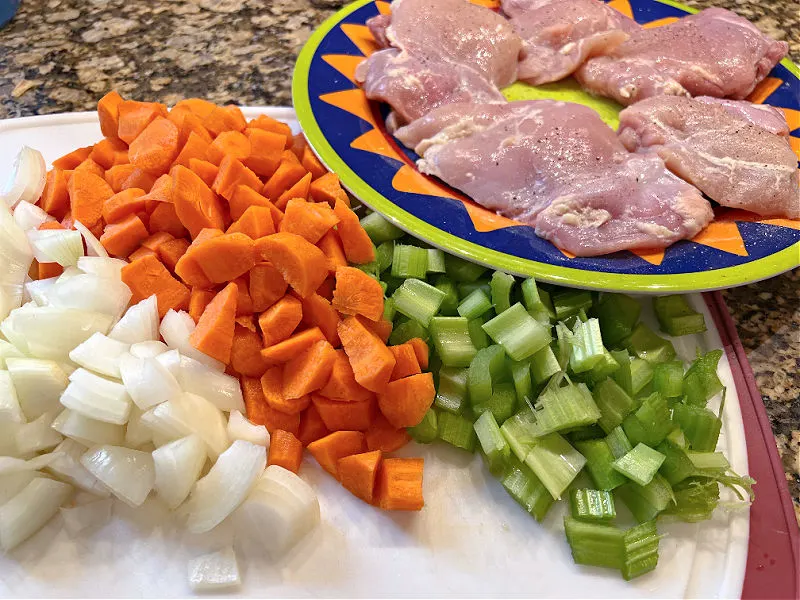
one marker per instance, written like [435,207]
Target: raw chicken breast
[560,35]
[441,51]
[558,167]
[712,53]
[763,115]
[718,148]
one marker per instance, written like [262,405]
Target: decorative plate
[347,132]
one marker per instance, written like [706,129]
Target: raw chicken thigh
[712,53]
[721,148]
[560,35]
[557,166]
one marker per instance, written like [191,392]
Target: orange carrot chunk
[141,252]
[90,166]
[72,159]
[302,265]
[191,124]
[134,117]
[246,352]
[287,349]
[308,371]
[154,241]
[170,252]
[299,144]
[260,413]
[308,220]
[312,427]
[280,320]
[147,276]
[404,402]
[384,436]
[298,190]
[311,163]
[214,333]
[195,204]
[244,305]
[225,118]
[55,196]
[399,484]
[406,362]
[198,106]
[48,270]
[120,239]
[233,173]
[285,176]
[371,360]
[421,350]
[359,472]
[382,328]
[328,450]
[272,386]
[165,218]
[195,148]
[224,257]
[267,286]
[108,113]
[325,289]
[228,143]
[161,191]
[338,416]
[342,384]
[269,124]
[327,188]
[318,312]
[106,152]
[357,246]
[198,301]
[332,248]
[156,147]
[123,204]
[265,151]
[204,170]
[356,293]
[87,194]
[256,222]
[285,450]
[245,197]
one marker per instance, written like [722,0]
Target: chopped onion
[29,216]
[9,404]
[97,398]
[8,438]
[87,516]
[137,433]
[171,361]
[100,354]
[92,293]
[38,435]
[129,474]
[16,257]
[223,390]
[86,431]
[93,245]
[39,290]
[148,382]
[214,572]
[13,483]
[239,428]
[138,324]
[176,327]
[9,464]
[225,486]
[62,246]
[26,180]
[27,512]
[67,467]
[38,383]
[148,349]
[186,414]
[110,268]
[178,465]
[8,350]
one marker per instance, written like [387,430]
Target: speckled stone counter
[62,55]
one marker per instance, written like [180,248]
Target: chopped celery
[700,426]
[563,345]
[676,317]
[592,505]
[409,261]
[641,550]
[519,333]
[555,462]
[456,430]
[618,442]
[587,432]
[518,431]
[701,382]
[599,461]
[536,301]
[587,346]
[618,314]
[435,261]
[476,333]
[449,306]
[708,460]
[646,501]
[461,270]
[418,300]
[407,330]
[494,445]
[650,423]
[632,375]
[379,229]
[465,289]
[640,464]
[452,341]
[523,386]
[426,430]
[485,368]
[695,499]
[475,305]
[451,393]
[668,379]
[544,365]
[501,284]
[526,488]
[605,367]
[392,283]
[389,311]
[613,402]
[501,404]
[564,407]
[383,255]
[567,303]
[644,343]
[676,466]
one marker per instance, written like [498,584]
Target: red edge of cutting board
[773,553]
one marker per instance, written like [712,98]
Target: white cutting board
[470,540]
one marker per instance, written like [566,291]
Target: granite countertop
[63,55]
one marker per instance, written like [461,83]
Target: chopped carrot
[122,238]
[108,113]
[104,152]
[269,124]
[233,173]
[204,170]
[359,472]
[138,178]
[327,188]
[265,151]
[73,159]
[399,484]
[196,147]
[50,225]
[89,166]
[299,144]
[312,427]
[123,204]
[198,106]
[55,195]
[244,197]
[332,248]
[255,222]
[382,328]
[272,386]
[68,222]
[285,450]
[280,320]
[342,384]
[221,257]
[267,286]
[161,191]
[404,402]
[135,116]
[192,124]
[155,147]
[170,252]
[307,220]
[318,312]
[285,176]
[311,163]
[141,252]
[309,370]
[246,352]
[325,288]
[338,416]
[49,269]
[155,240]
[177,115]
[214,333]
[357,293]
[406,361]
[195,204]
[371,360]
[228,143]
[298,190]
[284,351]
[198,301]
[248,322]
[422,351]
[358,247]
[260,413]
[87,194]
[302,265]
[328,450]
[147,276]
[225,118]
[165,218]
[384,436]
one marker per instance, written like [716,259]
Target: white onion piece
[148,349]
[147,381]
[27,512]
[13,483]
[10,325]
[93,245]
[8,438]
[38,435]
[29,216]
[26,179]
[100,354]
[137,433]
[109,268]
[129,474]
[187,414]
[51,332]
[214,572]
[67,467]
[176,327]
[62,246]
[39,290]
[70,272]
[86,431]
[239,428]
[171,361]
[97,398]
[225,486]
[138,324]
[8,350]
[38,383]
[223,390]
[92,293]
[178,466]
[91,515]
[9,403]
[16,257]
[9,464]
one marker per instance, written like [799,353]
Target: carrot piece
[339,416]
[312,427]
[123,204]
[382,328]
[327,188]
[170,252]
[248,322]
[265,151]
[225,118]
[404,402]
[138,178]
[328,450]
[89,166]
[272,386]
[358,247]
[260,413]
[266,286]
[165,218]
[244,197]
[141,252]
[122,238]
[311,163]
[190,124]
[195,204]
[421,350]
[280,320]
[135,116]
[357,293]
[302,265]
[155,240]
[359,472]
[48,269]
[325,288]
[117,175]
[371,360]
[287,349]
[161,190]
[269,124]
[285,176]
[87,194]
[233,173]
[108,112]
[384,436]
[204,170]
[221,257]
[255,222]
[399,484]
[55,195]
[104,152]
[306,220]
[332,248]
[198,106]
[214,333]
[406,361]
[318,312]
[244,305]
[147,276]
[285,450]
[198,301]
[298,190]
[155,147]
[49,225]
[177,115]
[309,370]
[299,144]
[342,384]
[246,352]
[196,147]
[228,143]
[72,159]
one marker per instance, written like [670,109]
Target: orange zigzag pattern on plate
[361,36]
[622,6]
[764,90]
[345,64]
[384,7]
[660,22]
[374,141]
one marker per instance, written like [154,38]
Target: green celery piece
[379,229]
[695,499]
[646,501]
[641,550]
[523,385]
[485,368]
[641,376]
[618,442]
[392,283]
[409,261]
[623,374]
[587,432]
[544,365]
[563,345]
[526,488]
[457,431]
[559,408]
[451,393]
[650,423]
[501,404]
[676,438]
[537,302]
[701,382]
[449,306]
[519,333]
[614,404]
[465,289]
[494,446]
[555,462]
[676,317]
[567,303]
[700,426]
[519,433]
[435,261]
[501,284]
[599,461]
[595,544]
[587,347]
[704,461]
[618,316]
[383,255]
[388,309]
[475,305]
[676,466]
[427,430]
[461,270]
[605,367]
[644,343]
[592,505]
[418,300]
[452,341]
[402,332]
[476,333]
[668,379]
[640,464]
